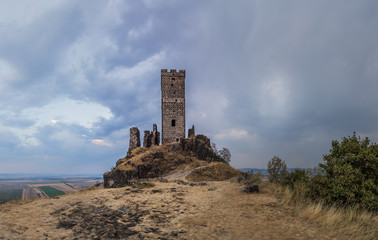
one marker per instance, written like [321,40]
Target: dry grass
[357,224]
[213,172]
[171,210]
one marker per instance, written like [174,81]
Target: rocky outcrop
[199,146]
[251,188]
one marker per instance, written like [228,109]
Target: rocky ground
[166,208]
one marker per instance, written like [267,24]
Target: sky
[263,78]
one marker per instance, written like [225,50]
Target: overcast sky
[263,78]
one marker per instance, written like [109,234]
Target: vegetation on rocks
[223,155]
[158,161]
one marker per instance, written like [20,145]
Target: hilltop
[164,208]
[158,161]
[173,191]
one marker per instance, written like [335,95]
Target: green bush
[276,170]
[297,176]
[349,175]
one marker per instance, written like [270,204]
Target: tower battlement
[172,72]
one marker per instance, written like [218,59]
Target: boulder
[251,188]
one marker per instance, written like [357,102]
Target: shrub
[276,170]
[349,175]
[223,155]
[250,177]
[297,176]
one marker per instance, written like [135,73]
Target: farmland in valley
[51,192]
[28,187]
[11,194]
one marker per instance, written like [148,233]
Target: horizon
[263,79]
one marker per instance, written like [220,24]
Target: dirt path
[226,213]
[170,210]
[179,175]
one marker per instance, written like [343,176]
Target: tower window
[173,79]
[173,122]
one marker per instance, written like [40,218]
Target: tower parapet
[173,72]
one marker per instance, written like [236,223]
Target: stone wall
[151,138]
[173,105]
[191,132]
[134,139]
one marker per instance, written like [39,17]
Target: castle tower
[172,105]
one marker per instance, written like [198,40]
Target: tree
[225,154]
[277,170]
[349,174]
[214,147]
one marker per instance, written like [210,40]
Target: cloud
[263,78]
[232,134]
[68,111]
[102,142]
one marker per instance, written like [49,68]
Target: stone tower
[172,105]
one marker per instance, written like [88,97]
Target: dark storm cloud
[295,74]
[264,78]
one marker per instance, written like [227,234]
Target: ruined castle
[172,113]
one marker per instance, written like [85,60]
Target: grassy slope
[356,224]
[170,210]
[215,171]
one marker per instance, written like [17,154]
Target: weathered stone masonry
[151,138]
[173,105]
[172,112]
[191,132]
[134,139]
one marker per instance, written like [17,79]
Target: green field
[8,195]
[51,192]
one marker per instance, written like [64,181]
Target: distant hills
[35,177]
[264,172]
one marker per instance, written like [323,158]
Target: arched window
[173,79]
[173,122]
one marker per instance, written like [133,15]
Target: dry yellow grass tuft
[357,224]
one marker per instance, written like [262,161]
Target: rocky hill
[164,208]
[173,191]
[158,161]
